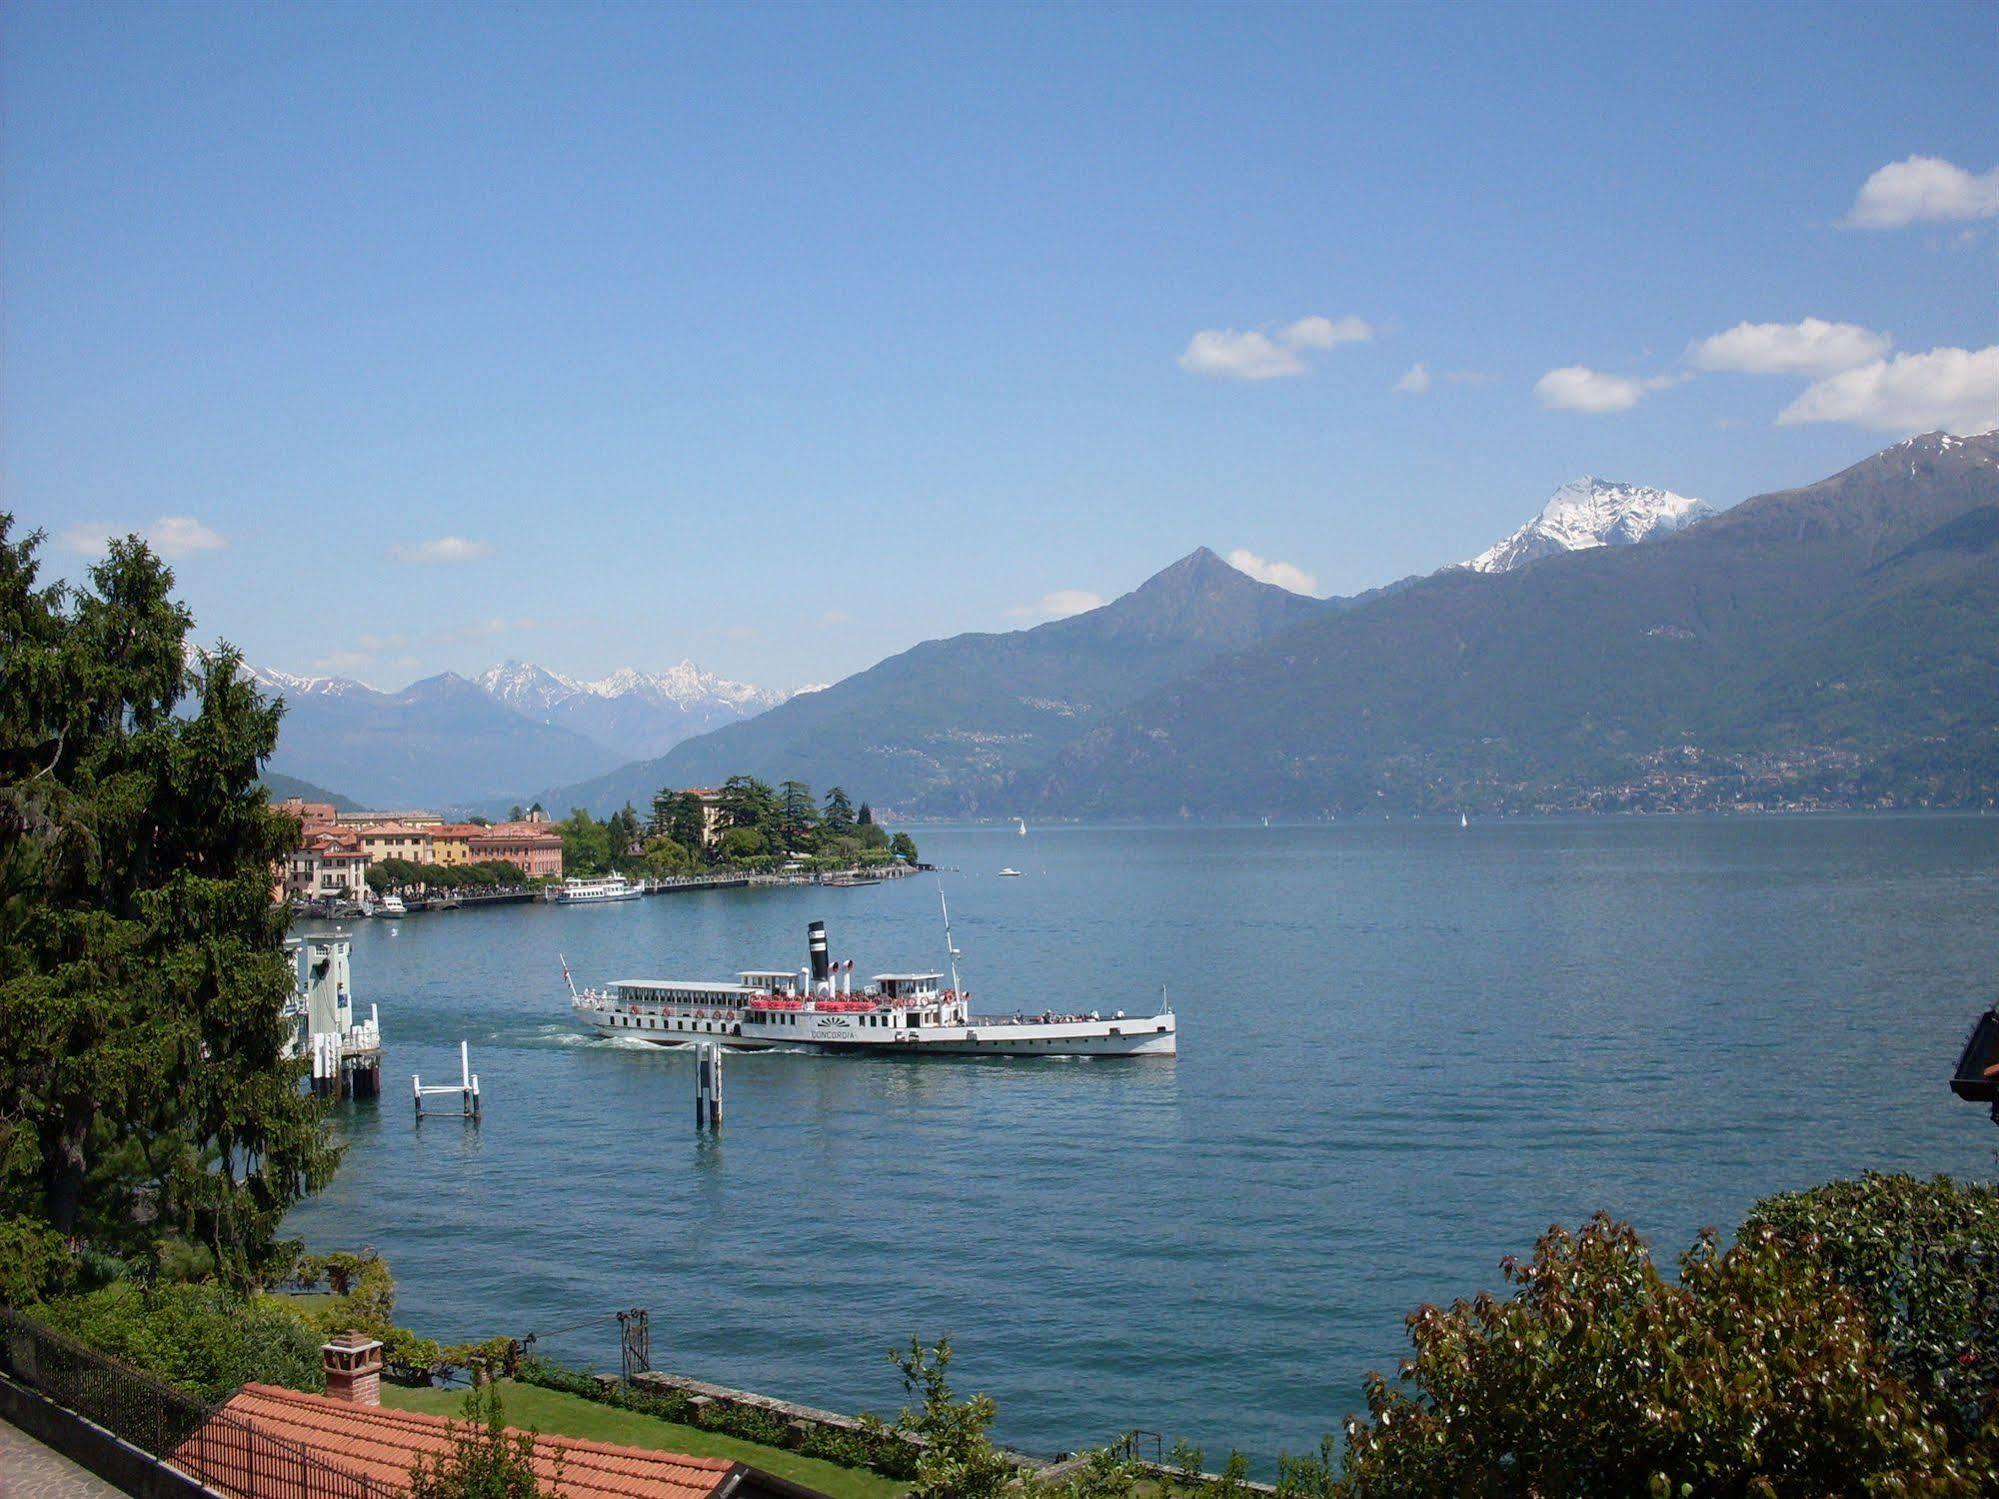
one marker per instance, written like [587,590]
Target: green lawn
[560,1414]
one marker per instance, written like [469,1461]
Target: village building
[530,845]
[329,864]
[451,842]
[398,840]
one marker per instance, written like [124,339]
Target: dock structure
[467,1089]
[346,1053]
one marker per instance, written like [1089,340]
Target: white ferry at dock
[575,892]
[897,1014]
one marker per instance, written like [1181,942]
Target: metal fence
[207,1443]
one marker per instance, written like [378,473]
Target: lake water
[1405,1050]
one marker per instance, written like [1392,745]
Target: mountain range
[1627,647]
[452,741]
[951,723]
[638,714]
[1834,644]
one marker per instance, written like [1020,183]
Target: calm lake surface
[1406,1049]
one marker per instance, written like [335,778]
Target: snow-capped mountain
[288,684]
[526,688]
[1592,512]
[638,714]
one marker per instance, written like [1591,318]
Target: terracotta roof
[383,1445]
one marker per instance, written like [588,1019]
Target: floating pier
[467,1089]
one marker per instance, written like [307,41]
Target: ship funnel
[815,942]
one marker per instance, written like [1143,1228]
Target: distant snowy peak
[682,686]
[288,683]
[1592,512]
[637,714]
[526,688]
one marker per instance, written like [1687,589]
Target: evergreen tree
[749,803]
[142,970]
[866,816]
[798,813]
[839,813]
[621,832]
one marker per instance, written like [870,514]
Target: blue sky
[785,337]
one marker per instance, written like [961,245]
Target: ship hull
[1135,1036]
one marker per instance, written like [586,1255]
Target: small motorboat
[1009,874]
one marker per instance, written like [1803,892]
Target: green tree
[486,1460]
[798,816]
[739,844]
[839,813]
[680,816]
[866,816]
[1756,1374]
[621,833]
[747,802]
[904,845]
[142,971]
[586,844]
[959,1460]
[664,857]
[517,814]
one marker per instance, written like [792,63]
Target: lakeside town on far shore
[348,864]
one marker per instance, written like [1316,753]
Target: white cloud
[1060,604]
[1327,333]
[177,536]
[1577,387]
[1225,354]
[1924,187]
[1813,347]
[442,549]
[1253,354]
[174,537]
[1952,390]
[343,661]
[1283,574]
[1415,382]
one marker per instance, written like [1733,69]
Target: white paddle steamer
[897,1014]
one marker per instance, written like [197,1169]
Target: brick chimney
[353,1368]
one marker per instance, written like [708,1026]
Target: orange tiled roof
[383,1445]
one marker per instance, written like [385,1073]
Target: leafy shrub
[1923,1258]
[875,1446]
[364,1300]
[1757,1374]
[959,1460]
[201,1338]
[34,1262]
[486,1461]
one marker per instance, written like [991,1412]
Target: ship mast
[951,952]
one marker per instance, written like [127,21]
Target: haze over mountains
[949,723]
[638,714]
[449,741]
[1626,647]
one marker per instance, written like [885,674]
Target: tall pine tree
[144,1092]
